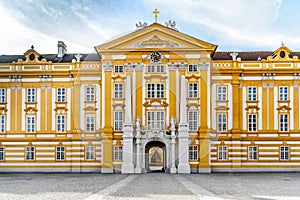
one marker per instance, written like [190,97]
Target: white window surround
[30,124]
[1,153]
[284,153]
[60,153]
[222,93]
[283,122]
[193,90]
[118,120]
[252,93]
[90,123]
[119,69]
[90,93]
[252,122]
[30,153]
[118,153]
[60,123]
[118,90]
[193,152]
[193,68]
[222,153]
[193,120]
[61,94]
[283,93]
[90,152]
[31,92]
[252,153]
[2,123]
[221,122]
[2,95]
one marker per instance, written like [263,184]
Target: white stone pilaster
[38,113]
[53,107]
[69,100]
[134,93]
[244,97]
[214,112]
[8,109]
[82,117]
[98,106]
[230,107]
[260,108]
[292,108]
[177,94]
[23,108]
[183,136]
[275,108]
[127,166]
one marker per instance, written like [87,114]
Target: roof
[248,56]
[51,57]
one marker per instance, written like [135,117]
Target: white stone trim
[244,113]
[229,120]
[8,106]
[208,97]
[52,109]
[260,108]
[38,113]
[275,108]
[23,108]
[69,100]
[98,91]
[292,108]
[103,98]
[81,107]
[89,78]
[214,112]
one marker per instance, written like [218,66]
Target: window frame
[118,152]
[118,90]
[252,123]
[192,68]
[61,95]
[252,152]
[2,124]
[90,123]
[221,94]
[30,153]
[193,124]
[31,95]
[222,153]
[160,90]
[118,68]
[283,93]
[221,122]
[118,120]
[90,153]
[30,127]
[60,153]
[284,122]
[193,152]
[3,95]
[2,153]
[284,153]
[252,93]
[61,127]
[90,93]
[192,90]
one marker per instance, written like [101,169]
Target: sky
[233,25]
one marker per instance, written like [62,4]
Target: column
[138,168]
[183,135]
[173,142]
[204,141]
[127,166]
[107,166]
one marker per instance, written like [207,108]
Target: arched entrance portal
[155,157]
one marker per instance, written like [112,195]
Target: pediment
[155,36]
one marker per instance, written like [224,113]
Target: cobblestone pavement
[257,186]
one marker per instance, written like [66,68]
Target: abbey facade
[155,99]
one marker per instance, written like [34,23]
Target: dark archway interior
[155,156]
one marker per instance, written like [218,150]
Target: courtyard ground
[257,186]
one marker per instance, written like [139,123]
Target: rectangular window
[193,68]
[90,123]
[60,120]
[160,120]
[1,153]
[283,93]
[60,153]
[30,153]
[151,90]
[252,93]
[30,94]
[118,69]
[222,122]
[222,90]
[193,152]
[30,128]
[118,121]
[193,90]
[61,94]
[252,153]
[193,120]
[284,153]
[252,122]
[151,120]
[151,68]
[160,68]
[2,95]
[222,153]
[118,91]
[90,94]
[284,122]
[90,153]
[2,123]
[118,154]
[160,90]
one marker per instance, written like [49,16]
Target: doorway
[155,156]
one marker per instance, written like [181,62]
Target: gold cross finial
[155,12]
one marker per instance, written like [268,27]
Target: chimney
[62,49]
